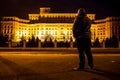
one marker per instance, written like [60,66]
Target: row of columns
[103,44]
[55,44]
[39,44]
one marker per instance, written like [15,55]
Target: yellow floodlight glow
[65,32]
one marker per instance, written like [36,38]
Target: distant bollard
[103,44]
[24,43]
[71,44]
[9,44]
[55,44]
[39,44]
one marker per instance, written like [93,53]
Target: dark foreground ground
[42,66]
[59,50]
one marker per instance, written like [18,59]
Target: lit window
[55,32]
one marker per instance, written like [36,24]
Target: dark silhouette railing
[61,44]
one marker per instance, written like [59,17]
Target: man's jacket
[81,27]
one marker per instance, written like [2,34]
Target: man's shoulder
[87,18]
[83,17]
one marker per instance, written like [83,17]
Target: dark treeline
[3,40]
[112,42]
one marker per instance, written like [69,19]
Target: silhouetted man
[82,34]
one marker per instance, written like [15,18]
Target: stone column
[71,44]
[55,44]
[103,44]
[9,43]
[24,43]
[39,43]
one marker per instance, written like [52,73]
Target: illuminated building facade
[106,28]
[58,26]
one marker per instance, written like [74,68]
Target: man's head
[81,12]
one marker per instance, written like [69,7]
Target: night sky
[21,8]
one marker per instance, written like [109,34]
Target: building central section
[58,26]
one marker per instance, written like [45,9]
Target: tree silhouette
[36,41]
[107,42]
[21,41]
[3,40]
[31,42]
[111,42]
[48,42]
[96,43]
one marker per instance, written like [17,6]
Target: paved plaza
[58,66]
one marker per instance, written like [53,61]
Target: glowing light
[39,36]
